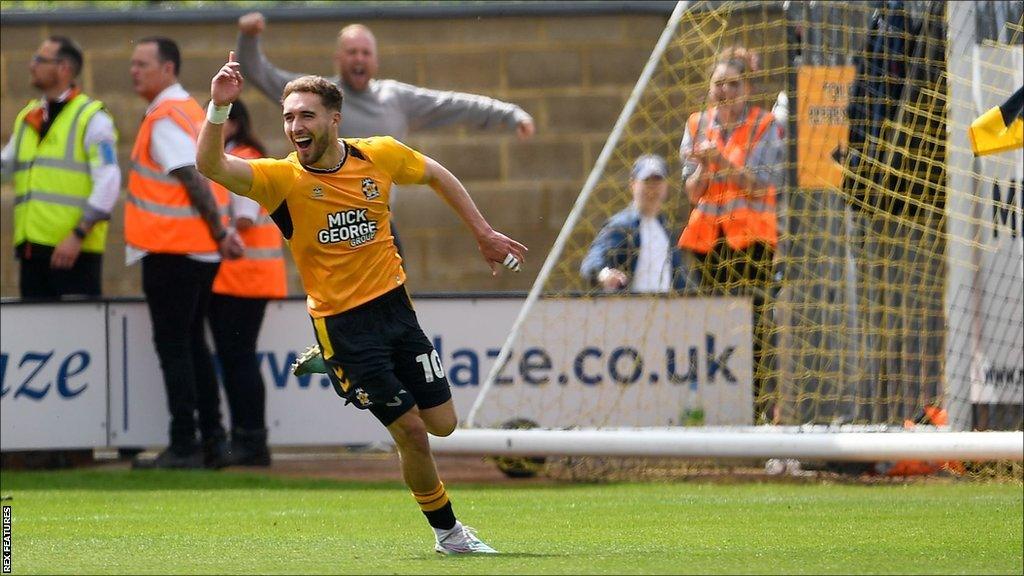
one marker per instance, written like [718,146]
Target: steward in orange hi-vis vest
[935,416]
[260,272]
[725,208]
[159,217]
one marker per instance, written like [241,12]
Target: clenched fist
[252,24]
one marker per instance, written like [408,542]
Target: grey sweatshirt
[386,107]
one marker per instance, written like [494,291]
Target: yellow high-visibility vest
[52,181]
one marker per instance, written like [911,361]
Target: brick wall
[572,73]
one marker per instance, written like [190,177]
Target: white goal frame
[844,443]
[751,442]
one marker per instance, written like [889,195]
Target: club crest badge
[362,397]
[370,189]
[318,192]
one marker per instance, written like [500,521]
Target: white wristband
[217,114]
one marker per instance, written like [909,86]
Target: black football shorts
[378,358]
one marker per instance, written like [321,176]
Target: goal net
[893,299]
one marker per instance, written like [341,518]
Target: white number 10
[431,366]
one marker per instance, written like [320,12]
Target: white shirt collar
[60,99]
[172,92]
[63,95]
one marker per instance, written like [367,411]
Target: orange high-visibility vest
[260,272]
[938,417]
[158,215]
[725,207]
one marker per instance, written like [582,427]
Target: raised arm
[766,161]
[231,172]
[763,168]
[496,248]
[695,175]
[268,78]
[427,108]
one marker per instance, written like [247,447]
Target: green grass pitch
[119,521]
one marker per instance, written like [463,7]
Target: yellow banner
[821,124]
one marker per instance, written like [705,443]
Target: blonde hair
[743,60]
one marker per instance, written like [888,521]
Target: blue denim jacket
[617,245]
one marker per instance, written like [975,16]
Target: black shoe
[129,453]
[216,453]
[171,458]
[249,447]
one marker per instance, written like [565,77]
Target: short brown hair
[329,93]
[70,51]
[166,51]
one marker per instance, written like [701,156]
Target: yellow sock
[436,507]
[433,500]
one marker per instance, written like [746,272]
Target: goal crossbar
[769,443]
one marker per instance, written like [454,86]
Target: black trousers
[38,280]
[177,292]
[235,323]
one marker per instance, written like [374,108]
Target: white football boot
[461,540]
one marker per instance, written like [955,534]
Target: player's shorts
[378,358]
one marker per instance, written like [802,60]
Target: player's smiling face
[310,126]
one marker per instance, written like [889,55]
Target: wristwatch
[79,233]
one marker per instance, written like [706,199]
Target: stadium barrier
[86,375]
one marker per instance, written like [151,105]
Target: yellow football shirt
[341,237]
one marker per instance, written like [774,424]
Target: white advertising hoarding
[622,361]
[53,376]
[87,375]
[57,381]
[300,410]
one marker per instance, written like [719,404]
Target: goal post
[561,240]
[763,442]
[894,297]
